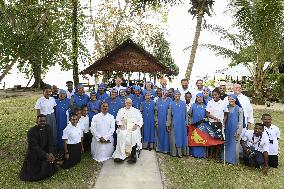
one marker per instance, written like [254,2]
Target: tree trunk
[75,42]
[194,45]
[36,68]
[258,79]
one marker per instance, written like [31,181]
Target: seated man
[102,128]
[256,147]
[129,121]
[39,160]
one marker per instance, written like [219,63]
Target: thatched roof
[127,57]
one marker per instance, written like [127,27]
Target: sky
[181,28]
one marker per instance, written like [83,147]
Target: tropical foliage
[260,39]
[36,35]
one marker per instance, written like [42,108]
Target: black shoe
[118,160]
[132,159]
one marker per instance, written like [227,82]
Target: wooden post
[128,79]
[96,82]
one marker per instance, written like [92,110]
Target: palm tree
[260,40]
[262,24]
[199,9]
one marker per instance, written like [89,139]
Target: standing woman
[122,96]
[62,106]
[93,106]
[79,99]
[73,143]
[149,89]
[148,114]
[197,114]
[162,107]
[207,95]
[102,95]
[233,130]
[137,98]
[215,111]
[176,122]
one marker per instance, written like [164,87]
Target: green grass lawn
[189,172]
[17,116]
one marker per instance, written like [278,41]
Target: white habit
[103,125]
[126,138]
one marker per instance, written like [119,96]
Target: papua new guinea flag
[197,137]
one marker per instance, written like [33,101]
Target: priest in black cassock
[39,161]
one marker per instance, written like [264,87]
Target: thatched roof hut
[128,57]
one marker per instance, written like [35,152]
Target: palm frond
[237,40]
[219,50]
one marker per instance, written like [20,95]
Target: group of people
[118,123]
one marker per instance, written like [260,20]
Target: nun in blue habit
[162,107]
[114,103]
[198,113]
[137,98]
[122,96]
[79,99]
[176,121]
[101,94]
[93,106]
[61,108]
[206,95]
[233,129]
[149,88]
[148,113]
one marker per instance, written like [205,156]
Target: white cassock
[182,93]
[126,138]
[103,125]
[247,108]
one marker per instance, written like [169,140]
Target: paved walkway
[144,174]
